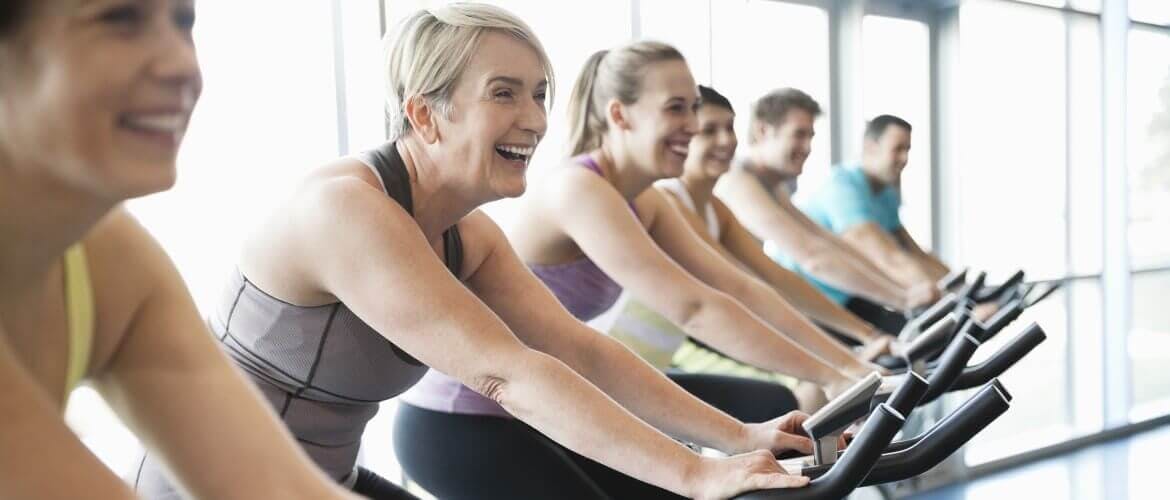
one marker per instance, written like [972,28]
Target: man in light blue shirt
[860,203]
[758,188]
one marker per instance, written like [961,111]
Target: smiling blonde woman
[380,266]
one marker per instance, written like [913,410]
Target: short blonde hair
[426,55]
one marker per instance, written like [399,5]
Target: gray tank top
[323,369]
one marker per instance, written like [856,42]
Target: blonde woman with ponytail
[591,228]
[379,268]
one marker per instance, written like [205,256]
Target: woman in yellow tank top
[95,96]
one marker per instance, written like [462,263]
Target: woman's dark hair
[714,98]
[12,12]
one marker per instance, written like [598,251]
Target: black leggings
[746,399]
[375,487]
[456,456]
[886,320]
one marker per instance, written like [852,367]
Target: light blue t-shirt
[845,200]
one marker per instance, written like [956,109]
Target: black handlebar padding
[950,366]
[906,397]
[1008,285]
[968,292]
[1004,358]
[853,466]
[907,458]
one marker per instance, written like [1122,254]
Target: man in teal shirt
[860,203]
[757,190]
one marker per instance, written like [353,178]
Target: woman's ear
[616,111]
[422,118]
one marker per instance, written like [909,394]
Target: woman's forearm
[728,326]
[862,261]
[840,270]
[556,401]
[817,306]
[768,305]
[655,398]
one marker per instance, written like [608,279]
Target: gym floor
[1129,467]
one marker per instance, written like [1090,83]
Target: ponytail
[609,74]
[586,121]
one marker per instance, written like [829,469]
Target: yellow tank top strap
[79,306]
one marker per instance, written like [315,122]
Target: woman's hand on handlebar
[718,478]
[922,295]
[877,346]
[984,311]
[780,435]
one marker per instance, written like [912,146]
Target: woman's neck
[621,168]
[701,188]
[438,203]
[40,219]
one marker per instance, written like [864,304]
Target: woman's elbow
[504,380]
[692,315]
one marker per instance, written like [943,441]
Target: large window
[1148,130]
[1039,415]
[1012,138]
[1149,343]
[1150,11]
[1148,112]
[1027,141]
[685,24]
[896,76]
[1085,201]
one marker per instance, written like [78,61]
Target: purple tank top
[582,287]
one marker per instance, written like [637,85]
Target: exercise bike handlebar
[934,339]
[951,364]
[970,289]
[906,397]
[909,458]
[1004,358]
[854,465]
[952,279]
[929,317]
[908,443]
[942,440]
[1008,285]
[1000,320]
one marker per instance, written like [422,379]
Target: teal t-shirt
[845,200]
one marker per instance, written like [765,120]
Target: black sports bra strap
[392,169]
[453,250]
[386,160]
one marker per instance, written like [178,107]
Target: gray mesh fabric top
[322,368]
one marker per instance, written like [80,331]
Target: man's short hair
[877,126]
[773,108]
